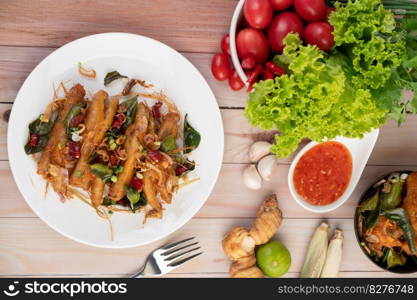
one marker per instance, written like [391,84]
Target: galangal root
[239,244]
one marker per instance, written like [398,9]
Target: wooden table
[30,30]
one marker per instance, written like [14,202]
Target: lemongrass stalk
[316,253]
[334,256]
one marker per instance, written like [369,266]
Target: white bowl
[360,149]
[137,57]
[237,16]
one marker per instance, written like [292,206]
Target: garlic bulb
[259,150]
[267,167]
[251,178]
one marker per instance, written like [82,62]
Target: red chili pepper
[155,155]
[34,139]
[248,63]
[77,120]
[156,110]
[74,149]
[274,69]
[113,158]
[122,202]
[253,76]
[118,121]
[180,170]
[137,183]
[267,75]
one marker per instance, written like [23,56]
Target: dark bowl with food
[386,222]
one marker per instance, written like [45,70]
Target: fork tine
[176,249]
[170,246]
[177,255]
[177,262]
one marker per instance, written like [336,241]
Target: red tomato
[311,10]
[283,24]
[281,4]
[319,34]
[251,41]
[225,44]
[220,66]
[258,13]
[235,82]
[329,11]
[248,63]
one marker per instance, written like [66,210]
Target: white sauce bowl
[360,149]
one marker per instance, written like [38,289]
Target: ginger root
[245,267]
[268,220]
[239,244]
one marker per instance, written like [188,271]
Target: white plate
[135,56]
[360,150]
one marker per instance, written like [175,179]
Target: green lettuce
[381,53]
[315,100]
[367,33]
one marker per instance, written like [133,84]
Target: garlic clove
[251,178]
[259,150]
[267,167]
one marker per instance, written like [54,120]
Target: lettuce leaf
[367,33]
[315,100]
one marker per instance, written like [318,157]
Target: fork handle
[141,272]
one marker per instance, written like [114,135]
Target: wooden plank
[229,199]
[4,117]
[395,146]
[187,25]
[17,62]
[27,246]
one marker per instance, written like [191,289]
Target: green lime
[273,258]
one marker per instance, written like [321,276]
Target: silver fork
[166,258]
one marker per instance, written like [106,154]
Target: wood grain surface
[30,30]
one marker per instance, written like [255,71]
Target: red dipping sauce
[323,173]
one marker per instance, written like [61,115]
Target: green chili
[393,199]
[399,215]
